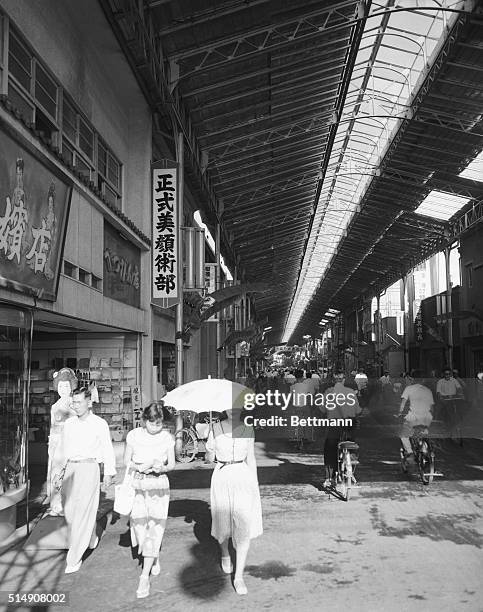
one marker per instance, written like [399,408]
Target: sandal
[226,565]
[156,568]
[143,588]
[240,586]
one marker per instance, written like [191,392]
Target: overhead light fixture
[267,328]
[441,205]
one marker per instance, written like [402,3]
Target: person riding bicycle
[420,412]
[448,389]
[347,407]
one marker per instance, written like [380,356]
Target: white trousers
[80,498]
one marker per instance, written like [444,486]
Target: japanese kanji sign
[165,235]
[136,406]
[34,208]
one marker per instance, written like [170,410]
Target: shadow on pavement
[202,578]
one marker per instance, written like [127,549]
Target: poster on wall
[34,209]
[166,285]
[121,268]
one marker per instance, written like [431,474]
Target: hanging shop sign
[34,209]
[137,409]
[122,263]
[167,287]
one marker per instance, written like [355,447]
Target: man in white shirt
[447,390]
[85,442]
[421,403]
[346,407]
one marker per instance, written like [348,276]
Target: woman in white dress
[236,509]
[149,455]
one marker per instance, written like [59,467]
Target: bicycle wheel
[426,463]
[189,446]
[346,476]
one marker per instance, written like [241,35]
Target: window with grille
[42,101]
[31,88]
[108,174]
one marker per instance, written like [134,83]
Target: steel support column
[179,306]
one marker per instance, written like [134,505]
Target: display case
[107,360]
[15,342]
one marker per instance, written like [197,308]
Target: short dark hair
[154,412]
[298,373]
[85,390]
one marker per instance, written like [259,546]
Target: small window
[113,171]
[19,62]
[69,269]
[109,174]
[84,276]
[96,282]
[86,138]
[69,121]
[45,91]
[469,275]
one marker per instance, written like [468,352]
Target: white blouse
[147,447]
[227,447]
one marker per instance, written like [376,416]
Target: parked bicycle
[424,455]
[194,436]
[346,465]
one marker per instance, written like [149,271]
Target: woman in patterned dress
[149,456]
[236,509]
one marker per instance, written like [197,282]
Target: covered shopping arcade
[314,131]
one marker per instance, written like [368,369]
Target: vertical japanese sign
[136,406]
[34,209]
[166,284]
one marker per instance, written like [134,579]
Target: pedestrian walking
[149,455]
[236,509]
[85,443]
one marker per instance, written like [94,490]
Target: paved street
[316,551]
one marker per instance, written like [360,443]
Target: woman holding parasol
[235,497]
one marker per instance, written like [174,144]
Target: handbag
[124,495]
[58,480]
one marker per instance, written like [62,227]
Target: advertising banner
[121,269]
[34,209]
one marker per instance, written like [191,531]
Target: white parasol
[207,395]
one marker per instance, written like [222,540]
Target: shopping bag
[124,495]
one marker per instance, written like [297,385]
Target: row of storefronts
[76,151]
[436,331]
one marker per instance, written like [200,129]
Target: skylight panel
[474,170]
[441,205]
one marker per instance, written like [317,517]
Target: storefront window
[104,360]
[15,342]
